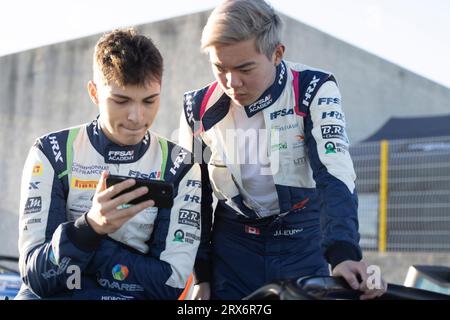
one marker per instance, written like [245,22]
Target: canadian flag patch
[252,230]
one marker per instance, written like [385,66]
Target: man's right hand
[105,215]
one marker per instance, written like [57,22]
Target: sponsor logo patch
[300,162]
[332,147]
[286,127]
[279,146]
[329,101]
[334,131]
[120,272]
[333,114]
[261,103]
[151,175]
[178,161]
[55,149]
[178,236]
[37,169]
[33,205]
[310,90]
[190,198]
[83,184]
[281,113]
[252,230]
[34,185]
[121,155]
[193,183]
[189,217]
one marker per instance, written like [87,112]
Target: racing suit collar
[271,94]
[112,152]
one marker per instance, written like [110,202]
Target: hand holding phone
[107,214]
[160,192]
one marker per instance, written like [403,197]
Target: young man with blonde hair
[77,239]
[279,166]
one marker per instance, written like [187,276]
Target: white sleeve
[185,138]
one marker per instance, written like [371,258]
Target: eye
[246,71]
[220,69]
[121,101]
[149,102]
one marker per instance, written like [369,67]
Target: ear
[92,90]
[279,53]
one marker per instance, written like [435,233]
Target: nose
[135,113]
[233,80]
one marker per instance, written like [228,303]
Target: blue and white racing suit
[313,174]
[150,257]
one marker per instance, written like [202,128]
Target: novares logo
[120,272]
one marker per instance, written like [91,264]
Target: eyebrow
[116,95]
[241,66]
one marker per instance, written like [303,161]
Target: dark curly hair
[126,58]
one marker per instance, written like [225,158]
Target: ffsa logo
[281,113]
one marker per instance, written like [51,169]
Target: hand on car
[107,214]
[355,273]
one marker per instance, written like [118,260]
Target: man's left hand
[355,273]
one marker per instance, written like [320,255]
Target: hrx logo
[178,161]
[310,90]
[55,149]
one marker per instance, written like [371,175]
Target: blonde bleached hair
[239,20]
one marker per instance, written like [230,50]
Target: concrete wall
[394,265]
[373,90]
[44,89]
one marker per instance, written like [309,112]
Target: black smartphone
[159,191]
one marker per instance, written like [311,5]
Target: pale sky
[412,33]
